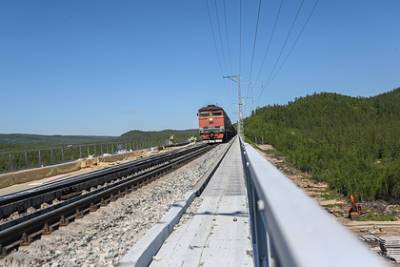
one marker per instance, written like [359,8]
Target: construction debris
[390,247]
[371,240]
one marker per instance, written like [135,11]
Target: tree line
[353,143]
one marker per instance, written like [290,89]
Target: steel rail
[24,230]
[35,197]
[22,194]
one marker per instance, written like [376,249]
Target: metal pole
[239,108]
[236,78]
[40,158]
[10,162]
[26,158]
[51,156]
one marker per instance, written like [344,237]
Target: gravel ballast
[101,238]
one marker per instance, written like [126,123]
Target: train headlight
[210,119]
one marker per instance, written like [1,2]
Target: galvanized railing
[289,228]
[32,158]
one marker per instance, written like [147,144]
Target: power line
[240,55]
[297,38]
[214,39]
[219,33]
[240,37]
[284,44]
[254,45]
[277,16]
[227,36]
[294,43]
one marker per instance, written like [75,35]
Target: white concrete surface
[217,234]
[141,254]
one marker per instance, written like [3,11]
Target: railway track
[29,214]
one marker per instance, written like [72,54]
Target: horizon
[102,69]
[80,135]
[188,129]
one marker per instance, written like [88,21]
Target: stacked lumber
[390,247]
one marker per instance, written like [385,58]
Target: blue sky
[106,67]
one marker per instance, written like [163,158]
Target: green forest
[353,143]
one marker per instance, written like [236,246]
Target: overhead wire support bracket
[236,79]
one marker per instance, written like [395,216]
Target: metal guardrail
[46,156]
[31,158]
[289,228]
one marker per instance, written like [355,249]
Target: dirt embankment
[317,190]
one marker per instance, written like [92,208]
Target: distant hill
[12,142]
[51,139]
[353,143]
[159,137]
[19,151]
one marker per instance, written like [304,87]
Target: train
[214,124]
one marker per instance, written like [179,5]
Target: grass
[374,216]
[336,205]
[330,194]
[274,153]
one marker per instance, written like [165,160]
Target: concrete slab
[217,234]
[141,254]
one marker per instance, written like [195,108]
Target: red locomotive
[214,124]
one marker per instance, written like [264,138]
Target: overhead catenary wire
[228,48]
[297,39]
[284,43]
[254,47]
[240,54]
[314,7]
[271,37]
[220,33]
[240,37]
[217,30]
[214,38]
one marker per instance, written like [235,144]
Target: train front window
[217,113]
[204,114]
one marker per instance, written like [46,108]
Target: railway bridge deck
[228,206]
[250,214]
[217,232]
